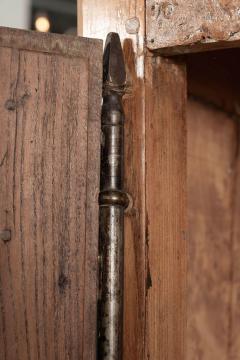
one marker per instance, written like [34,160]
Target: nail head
[5,235]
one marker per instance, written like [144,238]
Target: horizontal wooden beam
[71,46]
[199,47]
[182,26]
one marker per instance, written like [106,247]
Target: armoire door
[50,100]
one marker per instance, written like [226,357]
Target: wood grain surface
[186,25]
[149,324]
[165,209]
[213,187]
[49,176]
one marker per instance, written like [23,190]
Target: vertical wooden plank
[50,119]
[165,209]
[145,337]
[212,149]
[135,221]
[95,68]
[8,335]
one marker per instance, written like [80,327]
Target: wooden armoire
[182,174]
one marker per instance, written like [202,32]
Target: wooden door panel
[50,96]
[165,209]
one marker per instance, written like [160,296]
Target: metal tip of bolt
[113,61]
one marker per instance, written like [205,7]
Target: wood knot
[148,278]
[5,235]
[62,283]
[12,105]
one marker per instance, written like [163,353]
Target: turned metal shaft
[113,200]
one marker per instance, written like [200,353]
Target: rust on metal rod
[112,200]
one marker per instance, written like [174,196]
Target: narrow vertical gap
[22,120]
[145,216]
[232,234]
[86,214]
[14,97]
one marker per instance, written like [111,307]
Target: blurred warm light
[42,23]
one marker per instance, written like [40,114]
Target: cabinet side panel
[212,149]
[166,209]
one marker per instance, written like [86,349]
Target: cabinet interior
[213,113]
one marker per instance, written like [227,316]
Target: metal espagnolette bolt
[113,201]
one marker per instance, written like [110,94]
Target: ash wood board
[166,174]
[174,26]
[50,99]
[213,218]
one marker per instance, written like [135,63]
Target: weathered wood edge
[92,208]
[185,23]
[71,46]
[196,47]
